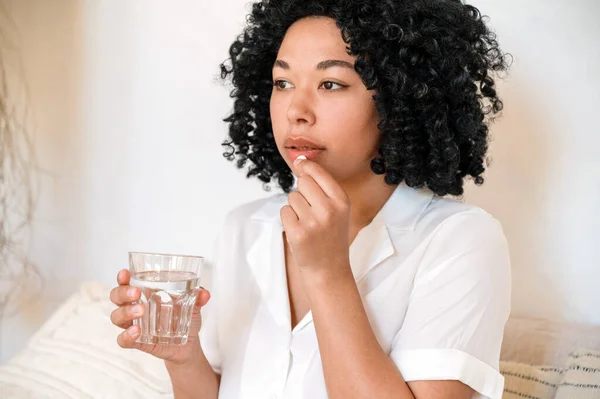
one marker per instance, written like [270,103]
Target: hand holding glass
[169,286]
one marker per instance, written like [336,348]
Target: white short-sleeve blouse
[433,273]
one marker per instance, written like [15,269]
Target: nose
[300,110]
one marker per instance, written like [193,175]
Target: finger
[127,338]
[289,219]
[300,206]
[123,277]
[312,192]
[124,294]
[202,299]
[124,326]
[322,177]
[196,322]
[123,316]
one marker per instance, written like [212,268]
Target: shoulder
[460,237]
[454,232]
[458,220]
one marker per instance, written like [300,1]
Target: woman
[364,281]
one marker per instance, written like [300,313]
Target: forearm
[196,380]
[354,365]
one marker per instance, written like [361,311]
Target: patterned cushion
[529,381]
[578,379]
[581,376]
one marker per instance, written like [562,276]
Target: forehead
[313,39]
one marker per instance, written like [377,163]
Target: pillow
[540,341]
[529,381]
[581,378]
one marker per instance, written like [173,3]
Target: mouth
[305,148]
[309,152]
[296,146]
[301,143]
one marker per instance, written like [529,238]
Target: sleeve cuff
[449,364]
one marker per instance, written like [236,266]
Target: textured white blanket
[75,355]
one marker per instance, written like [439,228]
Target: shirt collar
[400,212]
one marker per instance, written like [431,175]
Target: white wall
[51,54]
[544,184]
[129,129]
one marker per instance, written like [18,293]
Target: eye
[282,84]
[332,86]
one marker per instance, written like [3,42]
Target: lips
[296,146]
[301,144]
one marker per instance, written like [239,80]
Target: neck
[367,197]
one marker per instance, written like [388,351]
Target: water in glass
[168,298]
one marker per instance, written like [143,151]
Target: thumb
[201,299]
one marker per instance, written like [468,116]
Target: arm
[193,379]
[197,378]
[354,364]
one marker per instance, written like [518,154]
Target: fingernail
[131,331]
[131,292]
[299,159]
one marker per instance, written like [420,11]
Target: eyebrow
[321,66]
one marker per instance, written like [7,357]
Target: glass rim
[165,254]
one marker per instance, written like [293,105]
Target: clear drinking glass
[169,285]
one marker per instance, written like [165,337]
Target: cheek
[278,109]
[354,125]
[278,117]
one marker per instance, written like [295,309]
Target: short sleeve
[458,307]
[209,331]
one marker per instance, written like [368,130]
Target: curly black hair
[430,63]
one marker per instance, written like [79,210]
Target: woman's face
[319,106]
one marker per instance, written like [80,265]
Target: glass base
[158,340]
